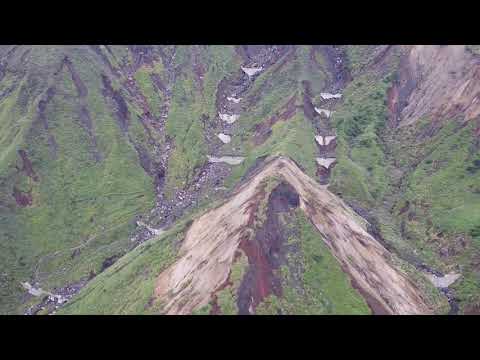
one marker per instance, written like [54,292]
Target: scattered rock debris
[150,229]
[51,302]
[230,119]
[443,281]
[234,99]
[56,299]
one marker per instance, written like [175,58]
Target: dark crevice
[42,118]
[121,114]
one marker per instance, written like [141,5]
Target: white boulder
[251,71]
[224,138]
[231,160]
[326,162]
[328,96]
[230,119]
[323,111]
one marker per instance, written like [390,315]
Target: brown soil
[159,84]
[99,52]
[87,124]
[327,150]
[324,174]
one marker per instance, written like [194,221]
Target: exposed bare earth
[208,250]
[446,83]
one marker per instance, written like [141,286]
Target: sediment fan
[208,250]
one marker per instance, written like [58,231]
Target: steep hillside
[114,160]
[409,137]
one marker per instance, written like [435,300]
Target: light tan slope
[209,246]
[447,83]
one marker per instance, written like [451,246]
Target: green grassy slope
[420,190]
[76,198]
[88,184]
[127,286]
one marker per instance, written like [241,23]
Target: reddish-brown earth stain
[99,52]
[392,104]
[264,129]
[23,199]
[264,251]
[262,282]
[289,54]
[27,165]
[157,81]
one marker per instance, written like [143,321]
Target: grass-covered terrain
[441,203]
[358,57]
[418,184]
[78,201]
[73,175]
[360,174]
[127,286]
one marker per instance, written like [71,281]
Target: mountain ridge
[104,147]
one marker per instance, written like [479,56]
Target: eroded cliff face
[208,251]
[438,81]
